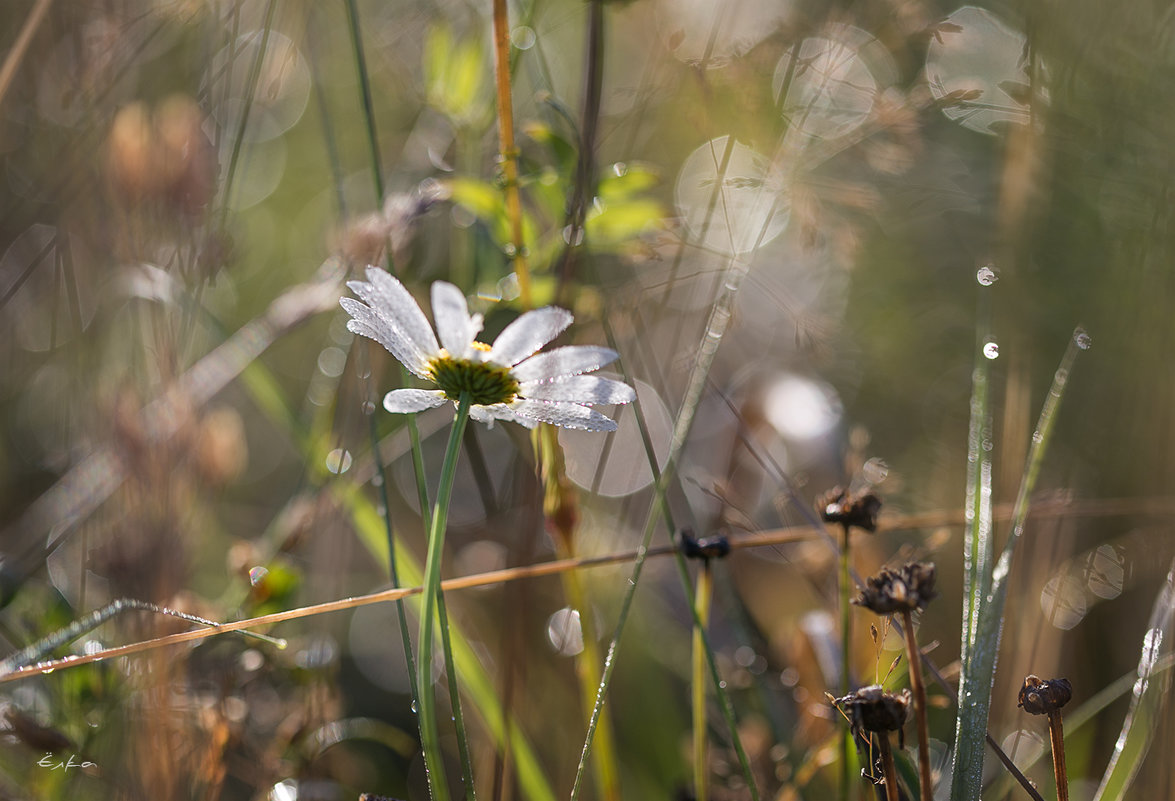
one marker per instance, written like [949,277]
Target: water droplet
[509,249]
[338,461]
[991,350]
[1037,437]
[565,631]
[1082,339]
[413,707]
[986,276]
[257,575]
[875,470]
[570,233]
[368,408]
[619,169]
[523,37]
[377,480]
[722,684]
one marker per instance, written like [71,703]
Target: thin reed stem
[509,152]
[1057,737]
[918,688]
[887,766]
[455,699]
[846,740]
[426,706]
[703,593]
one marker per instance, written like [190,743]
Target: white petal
[569,360]
[529,333]
[388,298]
[455,327]
[408,401]
[586,389]
[567,415]
[497,411]
[367,323]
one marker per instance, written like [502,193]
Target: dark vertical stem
[914,656]
[585,167]
[887,766]
[845,646]
[1057,735]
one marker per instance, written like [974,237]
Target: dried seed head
[838,505]
[873,709]
[906,589]
[1040,697]
[715,546]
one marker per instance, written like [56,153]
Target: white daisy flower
[507,381]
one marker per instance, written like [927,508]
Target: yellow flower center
[486,383]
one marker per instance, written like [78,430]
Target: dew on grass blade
[1082,339]
[991,350]
[257,575]
[986,276]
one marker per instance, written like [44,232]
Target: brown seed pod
[838,505]
[906,589]
[1040,697]
[873,709]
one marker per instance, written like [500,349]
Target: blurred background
[851,202]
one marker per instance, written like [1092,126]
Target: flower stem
[846,740]
[918,687]
[702,595]
[1057,735]
[887,767]
[429,735]
[509,152]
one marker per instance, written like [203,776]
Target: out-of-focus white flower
[509,380]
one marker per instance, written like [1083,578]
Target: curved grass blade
[979,671]
[1150,694]
[51,642]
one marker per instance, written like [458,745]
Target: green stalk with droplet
[429,735]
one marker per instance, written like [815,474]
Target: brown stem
[1057,735]
[509,153]
[914,657]
[887,767]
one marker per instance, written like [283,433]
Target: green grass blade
[1150,695]
[370,526]
[979,671]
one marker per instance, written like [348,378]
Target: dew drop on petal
[991,350]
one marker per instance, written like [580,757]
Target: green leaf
[618,223]
[1150,694]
